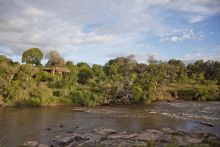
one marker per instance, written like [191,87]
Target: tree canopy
[32,56]
[120,81]
[54,59]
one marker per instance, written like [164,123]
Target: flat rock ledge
[104,137]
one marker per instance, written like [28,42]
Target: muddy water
[42,124]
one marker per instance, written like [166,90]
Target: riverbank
[32,104]
[111,138]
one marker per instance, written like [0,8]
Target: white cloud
[116,24]
[203,7]
[35,27]
[195,19]
[143,46]
[208,54]
[187,35]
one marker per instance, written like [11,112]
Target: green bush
[31,102]
[138,95]
[85,98]
[45,76]
[204,93]
[66,101]
[80,97]
[1,100]
[41,92]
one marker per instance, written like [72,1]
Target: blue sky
[95,31]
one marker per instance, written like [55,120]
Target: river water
[42,124]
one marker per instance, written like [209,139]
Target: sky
[95,31]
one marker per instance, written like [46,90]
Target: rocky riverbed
[189,120]
[111,138]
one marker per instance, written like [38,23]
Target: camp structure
[59,70]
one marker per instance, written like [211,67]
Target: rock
[61,126]
[179,133]
[111,143]
[43,145]
[89,143]
[124,132]
[65,141]
[213,140]
[48,129]
[165,138]
[58,141]
[186,140]
[104,131]
[78,109]
[30,144]
[122,143]
[123,136]
[168,130]
[191,140]
[149,135]
[108,138]
[69,131]
[207,124]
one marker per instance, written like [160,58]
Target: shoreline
[144,103]
[110,137]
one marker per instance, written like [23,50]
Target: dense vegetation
[120,81]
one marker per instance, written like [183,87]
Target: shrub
[85,98]
[137,94]
[204,93]
[1,100]
[44,76]
[31,102]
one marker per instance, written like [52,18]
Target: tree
[198,69]
[32,56]
[176,63]
[5,59]
[69,64]
[55,59]
[122,65]
[151,59]
[212,70]
[98,71]
[178,69]
[84,75]
[82,65]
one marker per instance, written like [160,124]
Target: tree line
[120,81]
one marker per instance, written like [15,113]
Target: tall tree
[151,59]
[32,56]
[55,59]
[176,63]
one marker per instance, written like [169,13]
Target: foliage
[5,59]
[84,75]
[204,93]
[138,95]
[120,81]
[32,56]
[54,59]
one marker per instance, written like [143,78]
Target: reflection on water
[42,124]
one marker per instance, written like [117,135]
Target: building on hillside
[59,70]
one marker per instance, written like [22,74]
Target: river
[18,125]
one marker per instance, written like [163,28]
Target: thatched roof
[57,69]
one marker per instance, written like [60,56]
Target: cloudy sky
[95,31]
